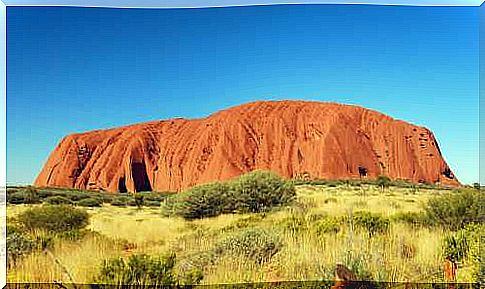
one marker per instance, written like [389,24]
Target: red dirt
[292,138]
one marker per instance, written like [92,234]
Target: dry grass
[403,253]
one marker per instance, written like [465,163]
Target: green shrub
[77,195]
[152,203]
[139,270]
[90,202]
[464,244]
[294,223]
[255,244]
[358,264]
[105,197]
[122,201]
[299,220]
[154,196]
[383,182]
[191,268]
[202,201]
[16,197]
[11,190]
[54,218]
[412,218]
[28,195]
[42,193]
[475,257]
[191,277]
[456,209]
[373,223]
[328,225]
[57,200]
[254,192]
[18,245]
[259,191]
[456,246]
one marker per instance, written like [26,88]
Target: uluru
[295,139]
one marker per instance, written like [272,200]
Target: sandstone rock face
[292,138]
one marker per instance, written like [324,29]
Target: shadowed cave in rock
[140,177]
[122,185]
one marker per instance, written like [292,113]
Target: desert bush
[153,197]
[456,209]
[259,191]
[328,225]
[254,192]
[412,218]
[18,245]
[464,243]
[358,264]
[28,195]
[31,196]
[455,246]
[54,218]
[475,257]
[299,219]
[202,201]
[57,200]
[90,202]
[293,222]
[139,269]
[191,268]
[122,201]
[107,198]
[43,193]
[16,197]
[77,195]
[383,182]
[373,223]
[255,244]
[152,203]
[191,277]
[11,190]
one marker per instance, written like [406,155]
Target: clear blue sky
[77,69]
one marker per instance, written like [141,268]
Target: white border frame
[142,4]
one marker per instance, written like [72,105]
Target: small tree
[383,182]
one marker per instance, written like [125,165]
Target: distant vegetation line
[399,183]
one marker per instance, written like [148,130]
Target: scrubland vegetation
[258,227]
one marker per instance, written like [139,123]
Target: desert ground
[302,240]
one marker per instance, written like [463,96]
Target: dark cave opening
[122,185]
[362,171]
[140,177]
